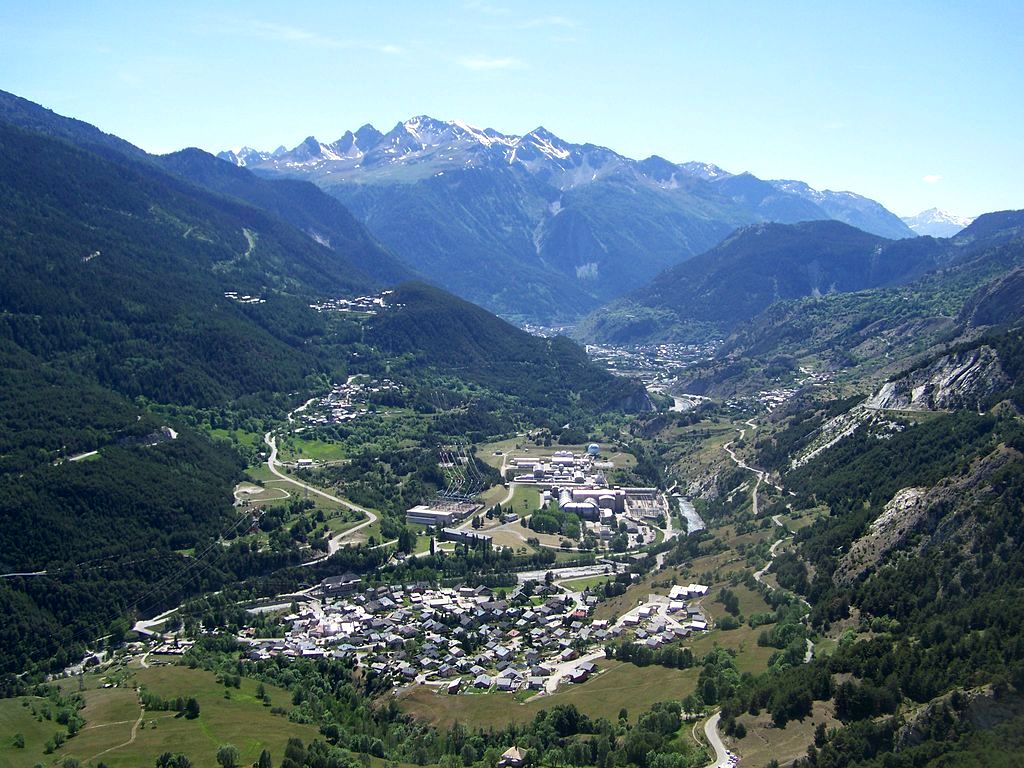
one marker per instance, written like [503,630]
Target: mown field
[111,714]
[618,686]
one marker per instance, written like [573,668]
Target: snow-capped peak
[706,171]
[243,156]
[547,143]
[486,136]
[937,223]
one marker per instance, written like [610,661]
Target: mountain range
[714,294]
[536,227]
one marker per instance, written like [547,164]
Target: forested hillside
[462,340]
[918,559]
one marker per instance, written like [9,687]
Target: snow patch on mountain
[937,223]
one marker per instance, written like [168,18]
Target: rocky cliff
[922,517]
[952,382]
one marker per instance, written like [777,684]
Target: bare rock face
[952,382]
[917,518]
[983,708]
[901,516]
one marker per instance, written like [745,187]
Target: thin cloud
[931,178]
[484,63]
[286,33]
[488,9]
[549,21]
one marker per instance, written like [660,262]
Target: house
[454,686]
[482,681]
[345,584]
[511,757]
[578,675]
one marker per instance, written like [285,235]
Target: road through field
[336,541]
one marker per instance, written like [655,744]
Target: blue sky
[914,104]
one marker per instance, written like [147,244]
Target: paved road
[742,464]
[711,733]
[670,533]
[560,670]
[22,575]
[142,626]
[335,543]
[564,668]
[575,572]
[759,575]
[762,476]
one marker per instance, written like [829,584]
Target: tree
[19,740]
[227,756]
[175,760]
[406,541]
[192,708]
[264,761]
[294,754]
[118,629]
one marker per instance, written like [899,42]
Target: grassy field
[750,601]
[493,495]
[765,742]
[240,436]
[525,500]
[796,520]
[259,473]
[111,713]
[293,447]
[619,685]
[588,581]
[16,717]
[750,657]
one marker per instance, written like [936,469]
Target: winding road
[762,476]
[336,541]
[722,755]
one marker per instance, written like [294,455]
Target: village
[344,402]
[366,305]
[535,636]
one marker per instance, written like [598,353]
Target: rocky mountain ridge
[536,227]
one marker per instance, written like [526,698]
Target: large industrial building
[442,513]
